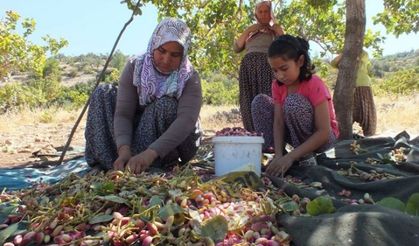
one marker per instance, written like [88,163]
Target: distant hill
[396,62]
[84,68]
[80,69]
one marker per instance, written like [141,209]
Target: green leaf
[412,206]
[289,206]
[172,209]
[6,233]
[100,218]
[17,52]
[155,200]
[175,193]
[194,215]
[103,188]
[5,211]
[268,206]
[320,205]
[391,202]
[115,199]
[22,228]
[316,185]
[215,228]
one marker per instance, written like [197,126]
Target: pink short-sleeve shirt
[315,90]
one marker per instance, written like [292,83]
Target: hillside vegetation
[38,113]
[67,81]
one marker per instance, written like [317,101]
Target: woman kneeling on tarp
[152,117]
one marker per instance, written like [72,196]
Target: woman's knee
[261,101]
[103,93]
[298,106]
[102,90]
[166,104]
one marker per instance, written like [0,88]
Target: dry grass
[395,114]
[10,122]
[23,133]
[214,118]
[28,131]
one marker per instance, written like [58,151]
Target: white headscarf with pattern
[271,22]
[269,5]
[150,83]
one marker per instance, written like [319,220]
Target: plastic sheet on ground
[370,166]
[20,178]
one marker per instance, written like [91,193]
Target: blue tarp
[20,178]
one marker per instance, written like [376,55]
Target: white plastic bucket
[237,153]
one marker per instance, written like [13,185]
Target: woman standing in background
[364,107]
[255,75]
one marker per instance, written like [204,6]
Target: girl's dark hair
[290,47]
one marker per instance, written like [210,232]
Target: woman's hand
[239,43]
[124,154]
[277,29]
[253,28]
[280,165]
[141,162]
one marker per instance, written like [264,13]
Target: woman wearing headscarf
[152,117]
[363,110]
[255,75]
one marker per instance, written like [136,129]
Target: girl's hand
[279,165]
[142,161]
[124,154]
[277,29]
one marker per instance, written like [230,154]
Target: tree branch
[100,78]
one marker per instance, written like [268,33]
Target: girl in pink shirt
[300,112]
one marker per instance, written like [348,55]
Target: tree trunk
[348,66]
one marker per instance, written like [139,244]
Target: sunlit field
[395,114]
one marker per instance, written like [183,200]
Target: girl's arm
[278,130]
[278,165]
[320,136]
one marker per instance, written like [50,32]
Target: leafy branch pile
[117,208]
[366,176]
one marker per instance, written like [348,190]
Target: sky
[93,25]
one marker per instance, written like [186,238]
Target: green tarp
[342,169]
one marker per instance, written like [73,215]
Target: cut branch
[99,79]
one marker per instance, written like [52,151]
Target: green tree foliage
[49,83]
[15,96]
[215,24]
[118,61]
[75,96]
[112,76]
[42,89]
[219,90]
[52,69]
[399,16]
[401,82]
[17,53]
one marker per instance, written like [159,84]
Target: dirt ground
[34,144]
[25,140]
